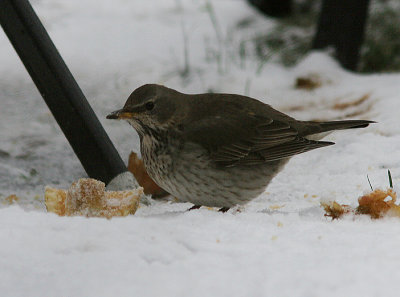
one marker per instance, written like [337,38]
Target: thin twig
[369,183]
[390,179]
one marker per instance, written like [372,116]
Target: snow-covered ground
[278,245]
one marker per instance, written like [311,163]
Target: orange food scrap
[335,210]
[375,204]
[309,82]
[12,198]
[342,106]
[136,166]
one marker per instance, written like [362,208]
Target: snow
[280,244]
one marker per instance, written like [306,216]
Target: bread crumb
[11,199]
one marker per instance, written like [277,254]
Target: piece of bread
[87,197]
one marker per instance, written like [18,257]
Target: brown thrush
[217,149]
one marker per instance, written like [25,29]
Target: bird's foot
[224,209]
[194,207]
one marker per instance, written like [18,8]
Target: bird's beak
[120,115]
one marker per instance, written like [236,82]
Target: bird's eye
[149,105]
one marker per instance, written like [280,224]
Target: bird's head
[150,106]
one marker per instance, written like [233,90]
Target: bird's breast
[156,156]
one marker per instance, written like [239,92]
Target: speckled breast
[189,175]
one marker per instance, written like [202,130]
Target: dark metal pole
[342,25]
[274,8]
[60,90]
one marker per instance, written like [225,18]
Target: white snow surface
[280,244]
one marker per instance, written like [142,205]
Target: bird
[214,149]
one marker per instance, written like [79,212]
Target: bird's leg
[194,207]
[224,209]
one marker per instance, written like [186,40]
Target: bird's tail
[320,127]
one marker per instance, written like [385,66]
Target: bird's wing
[248,139]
